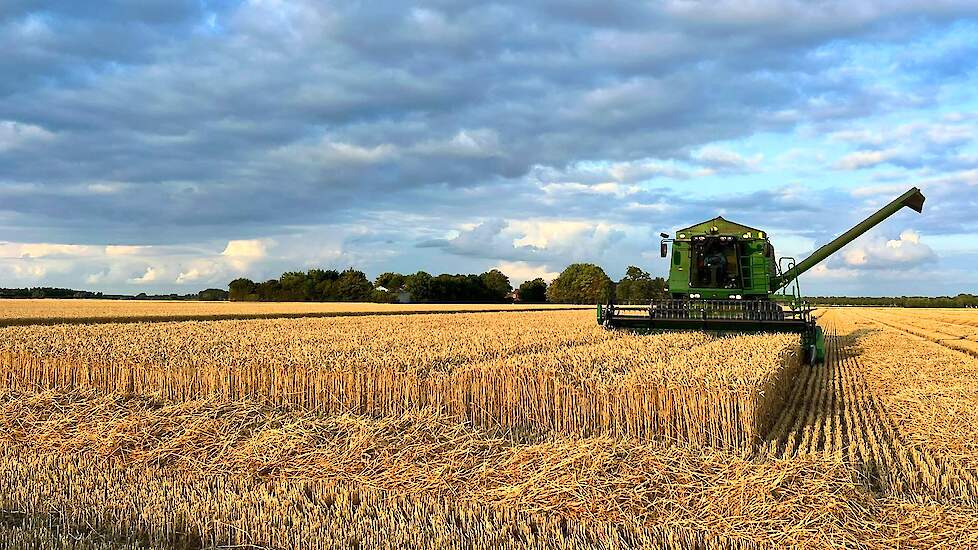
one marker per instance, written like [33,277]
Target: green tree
[638,287]
[271,291]
[293,286]
[391,281]
[534,291]
[418,286]
[242,290]
[353,286]
[381,297]
[324,289]
[212,295]
[311,287]
[580,284]
[496,284]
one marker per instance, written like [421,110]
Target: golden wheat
[554,371]
[486,430]
[955,330]
[55,311]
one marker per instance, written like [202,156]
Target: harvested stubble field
[484,430]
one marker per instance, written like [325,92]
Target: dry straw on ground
[248,474]
[934,402]
[892,407]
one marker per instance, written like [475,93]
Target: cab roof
[724,227]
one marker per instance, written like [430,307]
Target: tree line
[47,292]
[961,300]
[577,284]
[351,285]
[210,294]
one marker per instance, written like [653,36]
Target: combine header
[723,276]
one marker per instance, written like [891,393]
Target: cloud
[520,272]
[865,159]
[949,135]
[202,272]
[530,240]
[113,267]
[617,179]
[125,250]
[29,270]
[908,145]
[877,253]
[463,97]
[237,258]
[485,240]
[45,250]
[562,234]
[329,154]
[14,135]
[106,187]
[465,143]
[833,274]
[889,190]
[644,170]
[252,248]
[725,160]
[538,132]
[151,275]
[606,188]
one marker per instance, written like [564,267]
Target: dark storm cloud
[167,120]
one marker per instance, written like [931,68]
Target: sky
[173,145]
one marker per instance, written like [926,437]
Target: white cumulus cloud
[46,250]
[195,274]
[865,159]
[725,160]
[520,272]
[125,250]
[252,248]
[879,253]
[14,135]
[151,274]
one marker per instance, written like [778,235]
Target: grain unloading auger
[723,277]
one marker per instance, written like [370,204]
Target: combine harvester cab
[724,277]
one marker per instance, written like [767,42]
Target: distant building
[514,296]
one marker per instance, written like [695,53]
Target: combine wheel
[813,344]
[815,347]
[819,345]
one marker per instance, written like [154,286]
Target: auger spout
[912,199]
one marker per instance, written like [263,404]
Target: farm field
[487,430]
[54,311]
[955,329]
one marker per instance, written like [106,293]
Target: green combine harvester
[724,276]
